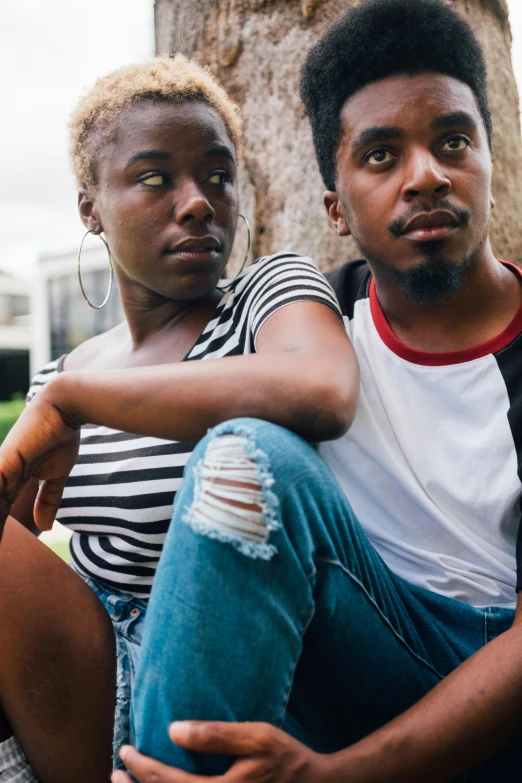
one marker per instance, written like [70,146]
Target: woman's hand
[43,444]
[266,755]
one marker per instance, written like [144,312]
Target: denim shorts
[127,614]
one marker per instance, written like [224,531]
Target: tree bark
[256,48]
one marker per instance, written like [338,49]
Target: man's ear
[336,213]
[88,210]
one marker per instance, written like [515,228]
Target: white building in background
[61,317]
[15,336]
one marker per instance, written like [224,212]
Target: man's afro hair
[380,38]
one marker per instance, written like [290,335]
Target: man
[410,665]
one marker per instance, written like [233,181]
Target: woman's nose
[192,204]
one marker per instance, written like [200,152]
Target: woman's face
[166,198]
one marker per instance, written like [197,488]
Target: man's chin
[435,279]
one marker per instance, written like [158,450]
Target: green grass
[9,412]
[61,548]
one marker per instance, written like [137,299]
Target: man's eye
[219,178]
[378,157]
[154,179]
[456,144]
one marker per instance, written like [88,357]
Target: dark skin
[432,159]
[477,709]
[166,199]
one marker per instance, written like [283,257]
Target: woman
[154,151]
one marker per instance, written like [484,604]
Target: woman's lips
[196,249]
[208,254]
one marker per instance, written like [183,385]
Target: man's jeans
[282,611]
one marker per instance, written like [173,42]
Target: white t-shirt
[432,462]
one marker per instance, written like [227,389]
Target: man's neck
[482,308]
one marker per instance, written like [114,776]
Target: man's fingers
[148,770]
[235,739]
[48,502]
[120,777]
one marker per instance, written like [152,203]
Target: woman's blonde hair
[169,79]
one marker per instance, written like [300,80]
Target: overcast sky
[49,53]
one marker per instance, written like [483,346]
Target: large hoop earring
[247,224]
[111,268]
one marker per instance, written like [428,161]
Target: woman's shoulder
[284,260]
[266,268]
[97,352]
[83,357]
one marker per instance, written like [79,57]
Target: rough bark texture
[256,48]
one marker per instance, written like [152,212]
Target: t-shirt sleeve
[284,280]
[41,378]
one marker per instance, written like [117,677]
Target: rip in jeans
[233,501]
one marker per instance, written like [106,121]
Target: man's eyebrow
[147,155]
[373,135]
[221,149]
[452,119]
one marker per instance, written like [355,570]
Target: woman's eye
[456,144]
[378,157]
[154,179]
[219,178]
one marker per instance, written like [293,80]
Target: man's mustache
[397,226]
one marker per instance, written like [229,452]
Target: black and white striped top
[118,499]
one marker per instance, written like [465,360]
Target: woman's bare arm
[304,377]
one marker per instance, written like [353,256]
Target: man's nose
[192,204]
[424,177]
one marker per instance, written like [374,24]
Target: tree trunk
[256,48]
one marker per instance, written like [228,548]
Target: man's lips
[438,224]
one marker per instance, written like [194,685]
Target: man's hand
[43,444]
[266,755]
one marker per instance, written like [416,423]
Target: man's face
[414,181]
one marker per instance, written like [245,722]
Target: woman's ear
[336,213]
[88,211]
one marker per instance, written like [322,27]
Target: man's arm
[473,713]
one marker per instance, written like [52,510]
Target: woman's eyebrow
[452,119]
[221,149]
[148,155]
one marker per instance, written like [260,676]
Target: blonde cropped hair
[169,79]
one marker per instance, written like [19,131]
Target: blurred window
[72,320]
[12,306]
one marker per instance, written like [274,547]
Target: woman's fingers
[11,480]
[235,739]
[148,770]
[41,445]
[48,502]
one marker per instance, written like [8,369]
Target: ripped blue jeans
[270,604]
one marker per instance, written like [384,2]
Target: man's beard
[434,280]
